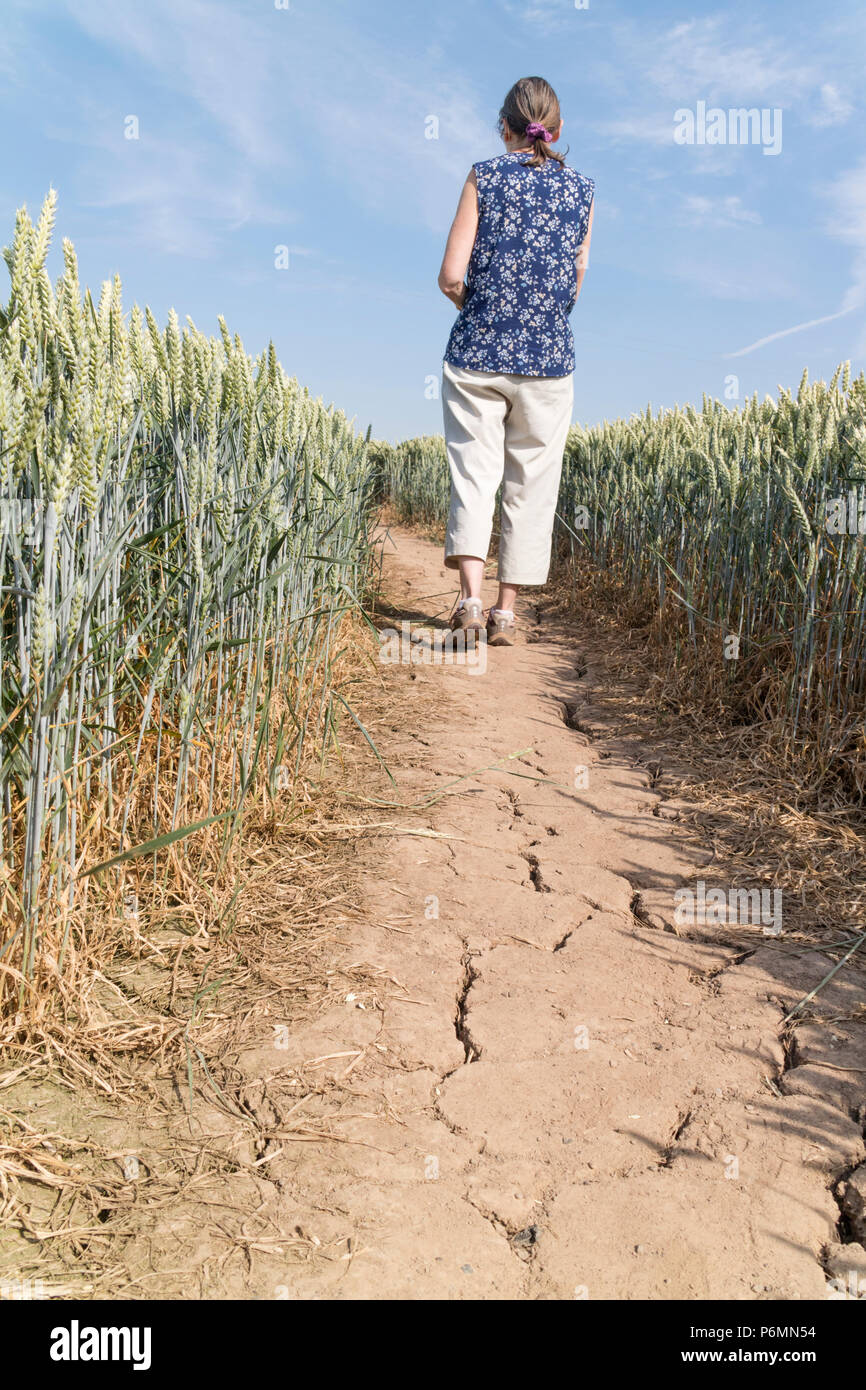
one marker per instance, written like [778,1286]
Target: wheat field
[184,530]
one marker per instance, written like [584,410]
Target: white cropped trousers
[509,429]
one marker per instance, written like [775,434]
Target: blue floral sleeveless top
[522,276]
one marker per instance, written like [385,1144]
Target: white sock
[503,612]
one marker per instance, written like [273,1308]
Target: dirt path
[544,1095]
[530,1082]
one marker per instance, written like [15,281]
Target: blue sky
[305,127]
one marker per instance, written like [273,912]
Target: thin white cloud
[832,108]
[845,221]
[700,211]
[725,65]
[176,196]
[786,332]
[707,58]
[547,19]
[211,53]
[735,272]
[652,130]
[276,87]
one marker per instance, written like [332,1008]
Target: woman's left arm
[461,239]
[583,252]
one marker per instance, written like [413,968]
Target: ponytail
[531,109]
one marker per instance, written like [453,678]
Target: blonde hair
[533,99]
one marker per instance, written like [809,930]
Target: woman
[522,229]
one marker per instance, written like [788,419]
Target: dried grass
[160,1010]
[751,798]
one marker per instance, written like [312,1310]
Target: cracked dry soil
[555,1094]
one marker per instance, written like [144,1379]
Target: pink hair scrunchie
[534,131]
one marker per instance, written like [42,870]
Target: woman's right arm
[461,239]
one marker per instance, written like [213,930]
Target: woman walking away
[522,229]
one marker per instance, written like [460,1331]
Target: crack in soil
[669,1150]
[444,1120]
[844,1230]
[639,911]
[521,1240]
[535,875]
[572,720]
[845,1235]
[461,1027]
[714,971]
[790,1052]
